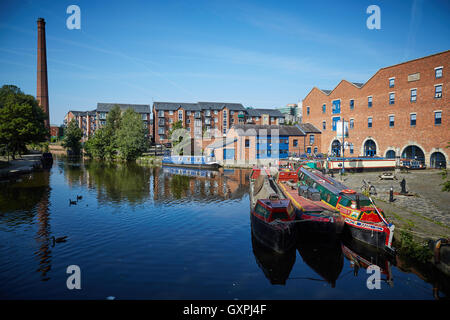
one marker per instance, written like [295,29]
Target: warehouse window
[324,108]
[336,108]
[369,122]
[352,123]
[392,98]
[412,119]
[391,82]
[352,104]
[324,125]
[437,118]
[413,95]
[391,121]
[369,102]
[438,91]
[438,72]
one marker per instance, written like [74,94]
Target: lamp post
[343,147]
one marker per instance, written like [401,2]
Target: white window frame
[442,72]
[391,78]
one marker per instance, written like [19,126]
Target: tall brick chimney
[42,83]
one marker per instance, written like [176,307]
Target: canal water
[160,233]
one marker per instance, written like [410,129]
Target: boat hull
[374,235]
[313,216]
[279,237]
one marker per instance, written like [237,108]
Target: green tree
[131,136]
[103,144]
[72,137]
[109,134]
[95,147]
[21,120]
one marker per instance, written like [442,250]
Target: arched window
[414,152]
[390,154]
[437,160]
[370,148]
[336,148]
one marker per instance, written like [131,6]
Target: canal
[155,233]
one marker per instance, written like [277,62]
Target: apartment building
[89,121]
[401,111]
[215,118]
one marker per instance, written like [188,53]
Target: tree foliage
[72,137]
[131,136]
[21,120]
[123,135]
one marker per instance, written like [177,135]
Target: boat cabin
[269,210]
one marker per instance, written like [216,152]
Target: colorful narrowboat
[316,216]
[363,220]
[273,223]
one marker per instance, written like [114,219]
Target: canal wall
[25,164]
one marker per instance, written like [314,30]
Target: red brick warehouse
[402,110]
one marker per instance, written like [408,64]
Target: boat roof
[331,184]
[276,204]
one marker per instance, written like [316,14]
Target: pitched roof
[82,113]
[255,129]
[220,143]
[308,128]
[259,112]
[199,106]
[139,108]
[221,105]
[173,106]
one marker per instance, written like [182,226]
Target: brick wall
[425,134]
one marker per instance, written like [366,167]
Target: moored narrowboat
[273,223]
[363,220]
[316,217]
[200,162]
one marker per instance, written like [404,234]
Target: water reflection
[23,201]
[324,257]
[275,266]
[363,256]
[43,235]
[113,182]
[198,185]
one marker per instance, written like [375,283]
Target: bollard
[403,186]
[391,195]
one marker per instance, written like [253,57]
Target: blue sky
[262,54]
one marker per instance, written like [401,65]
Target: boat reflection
[324,256]
[275,266]
[188,184]
[363,256]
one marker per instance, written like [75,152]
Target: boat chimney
[357,202]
